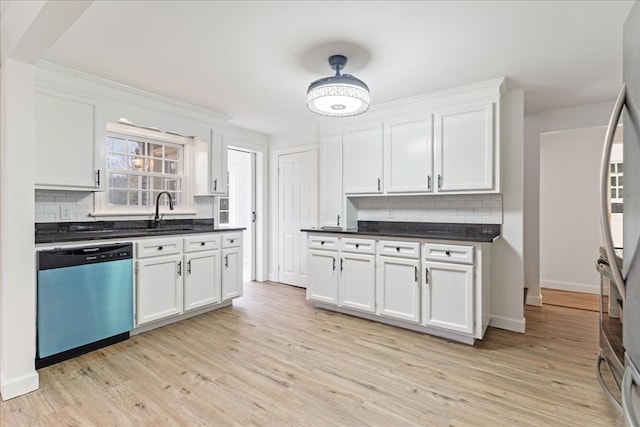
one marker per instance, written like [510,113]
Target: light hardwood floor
[578,300]
[272,359]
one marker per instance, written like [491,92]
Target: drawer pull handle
[426,276]
[357,245]
[447,253]
[334,263]
[341,264]
[201,243]
[159,248]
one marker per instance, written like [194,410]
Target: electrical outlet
[65,212]
[390,213]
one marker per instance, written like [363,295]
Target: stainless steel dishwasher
[85,300]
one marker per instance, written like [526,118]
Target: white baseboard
[515,325]
[534,300]
[19,386]
[272,277]
[571,287]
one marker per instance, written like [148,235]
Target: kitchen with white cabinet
[424,236]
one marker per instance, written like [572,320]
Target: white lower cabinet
[345,277]
[176,275]
[448,296]
[398,293]
[357,282]
[159,288]
[202,279]
[437,288]
[323,276]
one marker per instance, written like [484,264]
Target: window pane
[171,153]
[613,181]
[118,180]
[224,217]
[155,150]
[613,168]
[616,208]
[157,183]
[171,167]
[620,181]
[619,167]
[614,193]
[134,198]
[134,182]
[118,197]
[224,203]
[115,161]
[116,145]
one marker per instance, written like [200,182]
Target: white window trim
[101,206]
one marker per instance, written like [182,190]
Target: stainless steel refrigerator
[625,282]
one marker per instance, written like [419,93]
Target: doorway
[297,209]
[239,208]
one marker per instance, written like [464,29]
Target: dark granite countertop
[483,233]
[58,232]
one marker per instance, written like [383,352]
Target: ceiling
[253,60]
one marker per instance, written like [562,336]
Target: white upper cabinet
[408,154]
[362,159]
[331,180]
[68,142]
[210,165]
[464,149]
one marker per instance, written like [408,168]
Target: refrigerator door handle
[604,191]
[628,379]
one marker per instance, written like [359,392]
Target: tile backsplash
[470,209]
[50,205]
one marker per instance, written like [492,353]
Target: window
[140,164]
[616,187]
[223,210]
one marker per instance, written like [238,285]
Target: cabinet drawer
[403,249]
[231,240]
[158,247]
[361,246]
[450,253]
[323,242]
[204,242]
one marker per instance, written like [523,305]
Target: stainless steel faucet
[156,219]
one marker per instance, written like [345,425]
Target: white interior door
[242,205]
[297,208]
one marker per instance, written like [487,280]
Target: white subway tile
[490,204]
[496,212]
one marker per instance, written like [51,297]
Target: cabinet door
[331,195]
[408,151]
[158,288]
[464,149]
[398,290]
[202,279]
[67,142]
[448,296]
[210,165]
[323,276]
[231,273]
[362,159]
[358,282]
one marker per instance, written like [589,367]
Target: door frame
[274,203]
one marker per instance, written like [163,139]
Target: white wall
[507,256]
[569,213]
[27,31]
[546,121]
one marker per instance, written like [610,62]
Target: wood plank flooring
[272,359]
[577,300]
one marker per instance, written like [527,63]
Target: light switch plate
[65,212]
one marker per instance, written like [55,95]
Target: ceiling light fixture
[342,95]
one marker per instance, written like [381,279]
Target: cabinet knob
[201,243]
[447,253]
[159,248]
[398,249]
[357,245]
[322,242]
[231,240]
